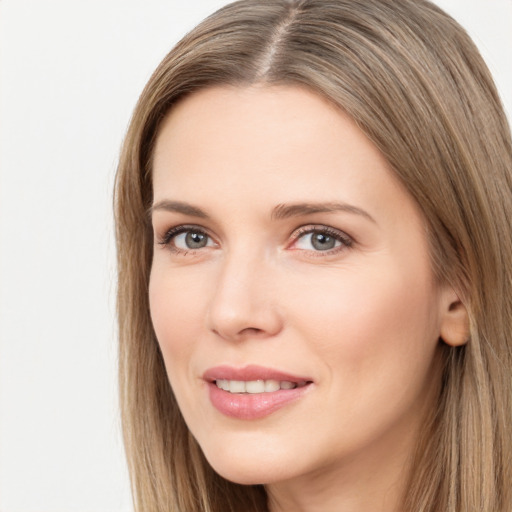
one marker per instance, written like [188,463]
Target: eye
[320,239]
[186,238]
[191,240]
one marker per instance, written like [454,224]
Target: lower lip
[249,406]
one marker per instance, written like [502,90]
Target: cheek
[176,308]
[370,326]
[375,339]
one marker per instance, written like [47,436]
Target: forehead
[268,145]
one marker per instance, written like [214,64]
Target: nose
[243,304]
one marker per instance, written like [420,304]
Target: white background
[70,74]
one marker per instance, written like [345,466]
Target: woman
[314,248]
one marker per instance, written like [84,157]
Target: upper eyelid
[173,231]
[311,228]
[345,240]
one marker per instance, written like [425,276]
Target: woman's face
[291,288]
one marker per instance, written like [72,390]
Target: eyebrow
[280,212]
[284,211]
[178,207]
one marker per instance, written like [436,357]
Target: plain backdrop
[70,74]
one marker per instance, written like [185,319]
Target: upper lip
[250,372]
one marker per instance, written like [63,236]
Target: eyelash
[172,233]
[345,241]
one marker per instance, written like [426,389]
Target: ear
[454,328]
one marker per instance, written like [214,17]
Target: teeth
[236,386]
[223,384]
[255,386]
[272,385]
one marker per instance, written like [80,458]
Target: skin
[362,320]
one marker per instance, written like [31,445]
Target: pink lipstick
[252,392]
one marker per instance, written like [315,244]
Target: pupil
[322,242]
[195,240]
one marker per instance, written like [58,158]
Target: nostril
[251,331]
[247,332]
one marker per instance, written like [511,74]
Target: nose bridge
[243,303]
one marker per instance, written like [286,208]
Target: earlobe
[454,329]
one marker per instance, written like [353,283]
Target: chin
[248,468]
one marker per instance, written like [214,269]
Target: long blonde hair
[415,83]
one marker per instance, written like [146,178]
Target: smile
[256,386]
[253,392]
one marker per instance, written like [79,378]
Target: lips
[253,392]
